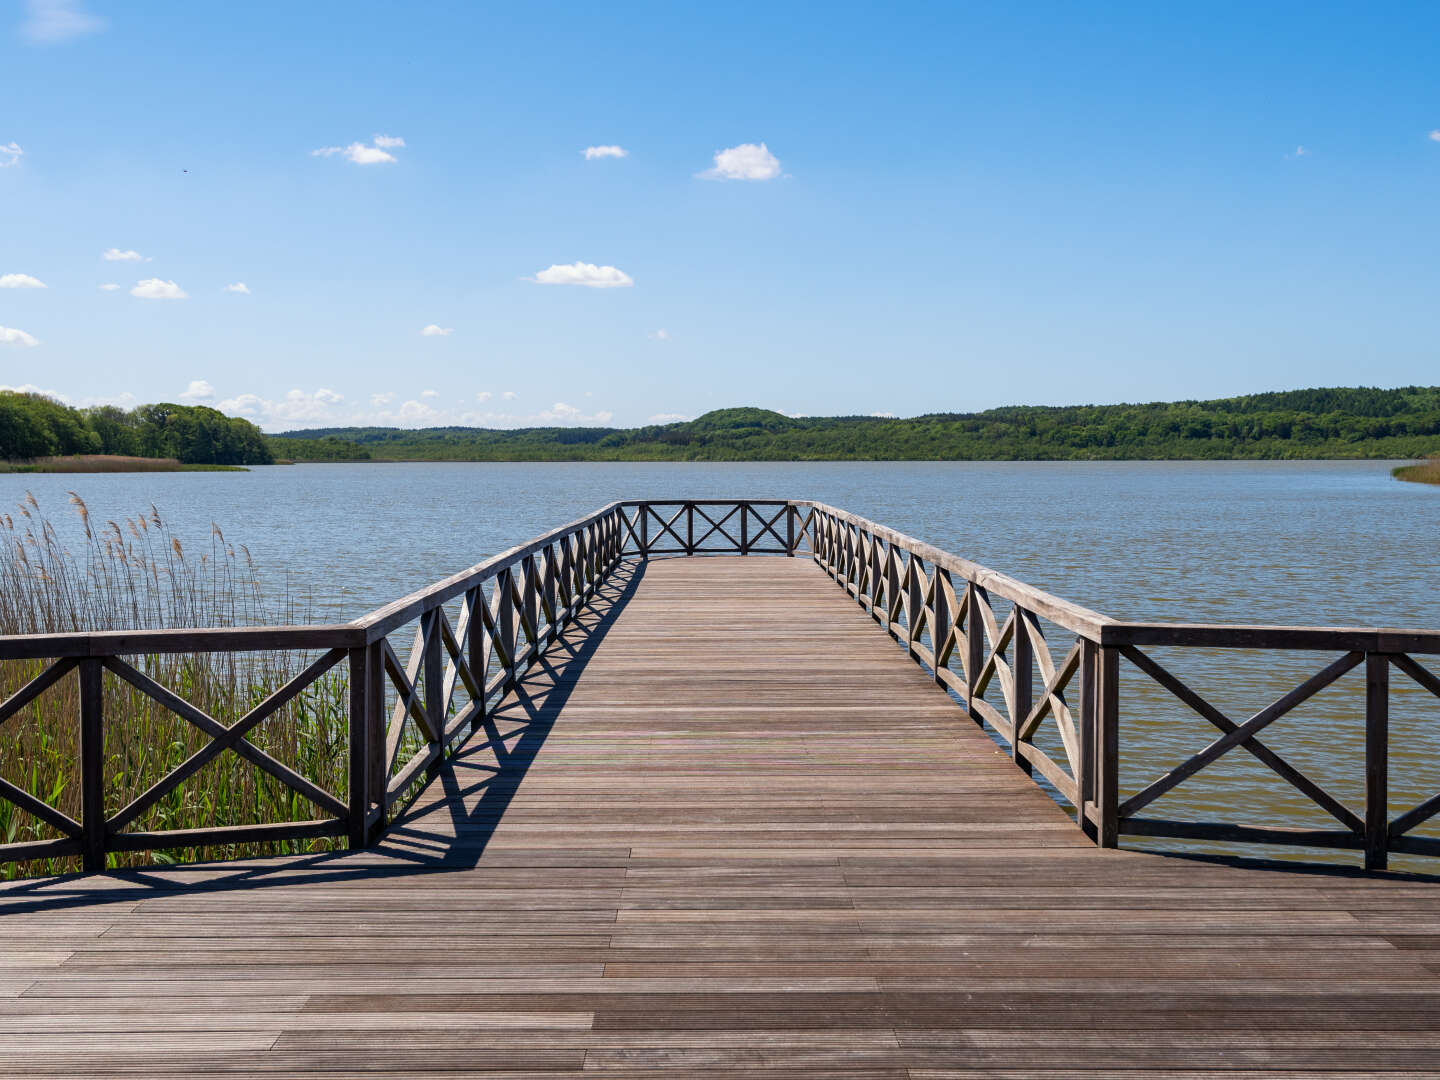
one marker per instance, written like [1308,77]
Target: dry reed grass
[138,574]
[1422,472]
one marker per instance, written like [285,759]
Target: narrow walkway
[733,833]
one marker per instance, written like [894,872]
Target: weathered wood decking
[735,832]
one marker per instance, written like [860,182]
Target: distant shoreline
[1422,472]
[109,463]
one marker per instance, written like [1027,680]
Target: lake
[1329,543]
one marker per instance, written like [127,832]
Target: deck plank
[734,832]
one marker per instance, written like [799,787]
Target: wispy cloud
[1434,136]
[659,335]
[49,22]
[296,408]
[198,390]
[116,255]
[435,330]
[509,395]
[21,281]
[237,287]
[360,154]
[748,161]
[10,153]
[156,289]
[1300,152]
[593,152]
[10,336]
[110,286]
[587,274]
[668,418]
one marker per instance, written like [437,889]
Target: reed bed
[1422,472]
[136,573]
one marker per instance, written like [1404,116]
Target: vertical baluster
[791,510]
[92,766]
[358,804]
[1107,747]
[940,621]
[378,764]
[974,646]
[433,673]
[1085,781]
[744,531]
[1377,760]
[689,528]
[1022,664]
[477,655]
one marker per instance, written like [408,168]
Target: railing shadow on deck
[500,749]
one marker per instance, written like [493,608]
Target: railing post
[940,617]
[1377,760]
[377,762]
[359,796]
[433,672]
[974,648]
[689,528]
[1107,747]
[645,530]
[1022,671]
[92,766]
[744,531]
[791,512]
[1085,778]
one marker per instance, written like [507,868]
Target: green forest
[35,426]
[1322,423]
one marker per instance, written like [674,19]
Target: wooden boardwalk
[734,832]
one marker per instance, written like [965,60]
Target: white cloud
[198,390]
[297,407]
[668,418]
[361,154]
[483,396]
[659,335]
[237,287]
[20,281]
[747,161]
[434,330]
[882,415]
[380,400]
[156,289]
[509,395]
[593,152]
[1434,136]
[116,255]
[54,21]
[110,286]
[10,153]
[10,336]
[1300,151]
[429,393]
[587,274]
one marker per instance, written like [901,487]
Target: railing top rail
[1254,636]
[1072,616]
[397,613]
[99,643]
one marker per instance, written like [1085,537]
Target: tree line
[35,426]
[1345,422]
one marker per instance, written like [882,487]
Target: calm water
[1337,543]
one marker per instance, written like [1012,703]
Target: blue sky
[956,205]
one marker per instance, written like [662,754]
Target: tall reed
[137,574]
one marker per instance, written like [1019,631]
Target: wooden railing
[403,715]
[982,633]
[985,637]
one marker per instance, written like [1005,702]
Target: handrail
[406,712]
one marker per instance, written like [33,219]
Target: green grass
[136,573]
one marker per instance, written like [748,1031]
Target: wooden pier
[704,818]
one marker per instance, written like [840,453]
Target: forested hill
[1323,423]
